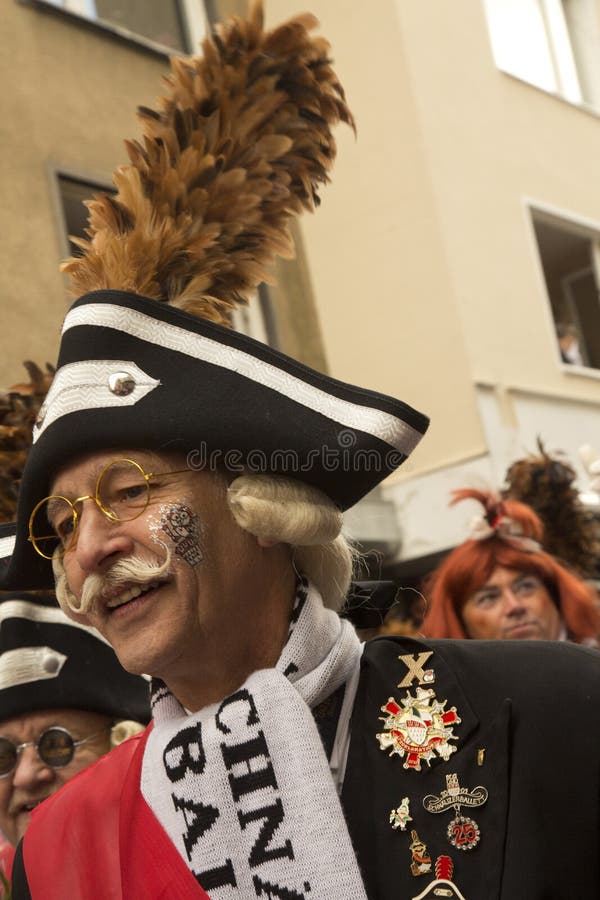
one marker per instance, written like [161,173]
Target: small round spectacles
[55,747]
[122,494]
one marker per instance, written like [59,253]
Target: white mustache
[123,573]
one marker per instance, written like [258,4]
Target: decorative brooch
[400,817]
[463,832]
[417,728]
[443,886]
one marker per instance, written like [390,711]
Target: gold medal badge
[418,728]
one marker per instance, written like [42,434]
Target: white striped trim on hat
[50,615]
[27,664]
[7,546]
[85,385]
[388,428]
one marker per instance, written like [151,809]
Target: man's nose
[98,539]
[513,604]
[31,770]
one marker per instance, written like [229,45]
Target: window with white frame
[570,259]
[552,44]
[169,24]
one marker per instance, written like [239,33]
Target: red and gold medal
[418,728]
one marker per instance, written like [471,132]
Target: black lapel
[375,783]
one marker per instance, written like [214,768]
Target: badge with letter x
[419,726]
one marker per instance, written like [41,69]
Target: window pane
[157,20]
[520,42]
[160,21]
[568,255]
[73,193]
[582,21]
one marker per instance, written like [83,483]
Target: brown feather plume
[546,483]
[239,145]
[19,406]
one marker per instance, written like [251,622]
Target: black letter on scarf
[255,778]
[216,878]
[239,697]
[198,819]
[186,752]
[273,890]
[273,816]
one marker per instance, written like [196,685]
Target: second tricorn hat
[49,662]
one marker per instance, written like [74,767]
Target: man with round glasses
[65,701]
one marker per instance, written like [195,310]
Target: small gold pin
[481,756]
[415,663]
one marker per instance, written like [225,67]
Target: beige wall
[383,287]
[68,100]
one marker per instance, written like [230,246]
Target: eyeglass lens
[55,748]
[122,493]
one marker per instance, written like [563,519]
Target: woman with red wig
[500,584]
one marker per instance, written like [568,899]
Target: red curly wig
[467,568]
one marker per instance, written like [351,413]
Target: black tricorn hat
[49,662]
[137,373]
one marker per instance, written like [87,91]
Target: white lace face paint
[181,527]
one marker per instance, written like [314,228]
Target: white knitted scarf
[243,788]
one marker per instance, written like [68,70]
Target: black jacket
[534,707]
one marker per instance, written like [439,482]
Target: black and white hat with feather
[239,145]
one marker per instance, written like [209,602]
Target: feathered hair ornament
[515,523]
[19,407]
[547,484]
[239,145]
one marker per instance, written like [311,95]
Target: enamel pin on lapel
[400,817]
[463,832]
[443,886]
[415,663]
[421,860]
[419,726]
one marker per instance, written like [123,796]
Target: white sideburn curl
[288,511]
[123,730]
[283,510]
[123,572]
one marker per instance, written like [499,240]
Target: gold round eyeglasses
[122,493]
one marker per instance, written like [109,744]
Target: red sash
[7,854]
[97,837]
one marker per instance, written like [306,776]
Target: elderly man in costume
[280,762]
[65,700]
[501,584]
